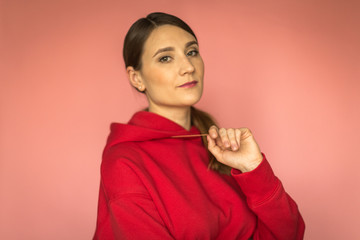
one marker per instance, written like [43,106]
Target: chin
[191,100]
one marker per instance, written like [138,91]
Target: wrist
[248,166]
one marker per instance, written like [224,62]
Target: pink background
[289,70]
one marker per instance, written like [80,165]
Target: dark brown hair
[133,49]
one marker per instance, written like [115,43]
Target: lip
[189,84]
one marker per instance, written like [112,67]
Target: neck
[181,116]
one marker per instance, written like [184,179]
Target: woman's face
[172,69]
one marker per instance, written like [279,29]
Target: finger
[213,131]
[238,136]
[232,139]
[213,148]
[245,133]
[224,137]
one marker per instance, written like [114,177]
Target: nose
[186,66]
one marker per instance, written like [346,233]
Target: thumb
[213,148]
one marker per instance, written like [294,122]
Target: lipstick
[189,84]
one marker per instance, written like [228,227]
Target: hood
[146,126]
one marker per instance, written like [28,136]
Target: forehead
[167,36]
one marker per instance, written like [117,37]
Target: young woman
[160,179]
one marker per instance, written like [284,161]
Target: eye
[165,59]
[193,53]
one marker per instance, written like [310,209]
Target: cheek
[200,66]
[162,77]
[159,79]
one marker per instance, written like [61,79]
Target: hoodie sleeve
[277,213]
[128,212]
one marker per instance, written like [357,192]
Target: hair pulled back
[132,52]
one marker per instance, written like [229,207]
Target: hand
[236,148]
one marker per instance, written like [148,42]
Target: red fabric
[157,187]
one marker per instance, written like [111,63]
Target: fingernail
[234,147]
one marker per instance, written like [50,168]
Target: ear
[135,78]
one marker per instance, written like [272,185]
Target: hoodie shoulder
[126,152]
[145,126]
[120,170]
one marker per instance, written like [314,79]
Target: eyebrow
[166,49]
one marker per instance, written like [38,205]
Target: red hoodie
[157,187]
